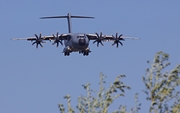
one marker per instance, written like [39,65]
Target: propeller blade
[36,45]
[40,36]
[57,35]
[97,44]
[117,45]
[121,43]
[95,41]
[113,44]
[117,40]
[57,45]
[102,44]
[57,39]
[97,35]
[116,35]
[120,36]
[100,34]
[99,39]
[36,36]
[38,40]
[40,44]
[53,43]
[113,37]
[122,39]
[33,43]
[61,42]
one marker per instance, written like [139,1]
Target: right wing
[62,37]
[38,40]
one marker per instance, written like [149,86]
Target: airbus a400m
[75,42]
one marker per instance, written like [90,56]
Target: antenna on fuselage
[69,16]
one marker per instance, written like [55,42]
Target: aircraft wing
[28,38]
[92,36]
[111,38]
[38,40]
[63,37]
[107,37]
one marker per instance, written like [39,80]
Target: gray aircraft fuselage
[76,42]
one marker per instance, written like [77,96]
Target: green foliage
[160,87]
[99,102]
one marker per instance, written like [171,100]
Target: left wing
[108,37]
[116,39]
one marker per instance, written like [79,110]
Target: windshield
[81,37]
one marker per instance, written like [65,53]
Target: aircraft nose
[82,42]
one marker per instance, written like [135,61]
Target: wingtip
[13,39]
[136,38]
[42,18]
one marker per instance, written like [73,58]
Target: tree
[160,88]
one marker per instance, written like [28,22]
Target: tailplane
[69,16]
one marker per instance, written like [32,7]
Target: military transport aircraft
[75,42]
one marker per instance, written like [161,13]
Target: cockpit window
[81,37]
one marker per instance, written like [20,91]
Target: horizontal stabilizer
[68,16]
[53,17]
[81,17]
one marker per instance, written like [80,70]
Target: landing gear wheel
[66,53]
[80,52]
[86,53]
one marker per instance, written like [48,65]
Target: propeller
[117,40]
[57,39]
[38,40]
[99,39]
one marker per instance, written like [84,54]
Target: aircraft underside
[68,50]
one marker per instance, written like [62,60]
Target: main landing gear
[85,52]
[66,53]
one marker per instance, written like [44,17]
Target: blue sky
[35,80]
